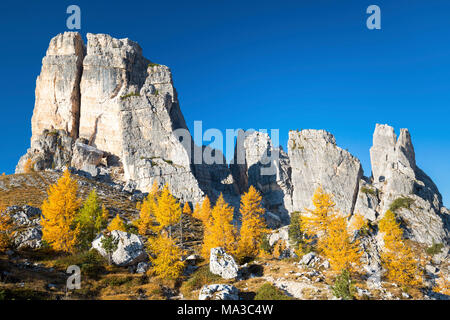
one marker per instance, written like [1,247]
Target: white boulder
[219,292]
[130,249]
[222,264]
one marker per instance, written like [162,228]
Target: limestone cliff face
[255,165]
[317,160]
[57,103]
[130,110]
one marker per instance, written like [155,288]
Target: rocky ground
[29,271]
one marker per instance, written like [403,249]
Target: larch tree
[359,223]
[337,247]
[167,210]
[91,219]
[117,224]
[58,214]
[6,228]
[187,209]
[396,256]
[166,258]
[219,231]
[253,226]
[28,166]
[196,213]
[316,220]
[146,215]
[204,214]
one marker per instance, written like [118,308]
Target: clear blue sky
[262,64]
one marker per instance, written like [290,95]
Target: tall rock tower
[105,106]
[57,103]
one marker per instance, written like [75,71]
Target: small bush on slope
[269,292]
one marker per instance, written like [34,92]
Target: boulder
[142,267]
[85,156]
[308,258]
[28,238]
[279,234]
[24,216]
[219,292]
[130,249]
[222,264]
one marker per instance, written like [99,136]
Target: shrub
[401,203]
[265,244]
[434,249]
[198,279]
[343,286]
[269,292]
[23,294]
[295,232]
[90,262]
[132,94]
[152,64]
[368,191]
[118,281]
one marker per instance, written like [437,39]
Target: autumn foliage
[6,228]
[332,232]
[147,212]
[219,230]
[167,256]
[315,222]
[203,212]
[187,209]
[397,257]
[117,224]
[337,247]
[253,226]
[28,166]
[167,210]
[58,214]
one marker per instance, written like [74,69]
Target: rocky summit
[109,113]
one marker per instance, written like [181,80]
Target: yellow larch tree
[253,226]
[359,223]
[219,230]
[187,209]
[6,228]
[397,257]
[332,232]
[337,247]
[442,285]
[58,214]
[315,221]
[28,166]
[146,215]
[197,209]
[204,213]
[117,224]
[167,210]
[166,257]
